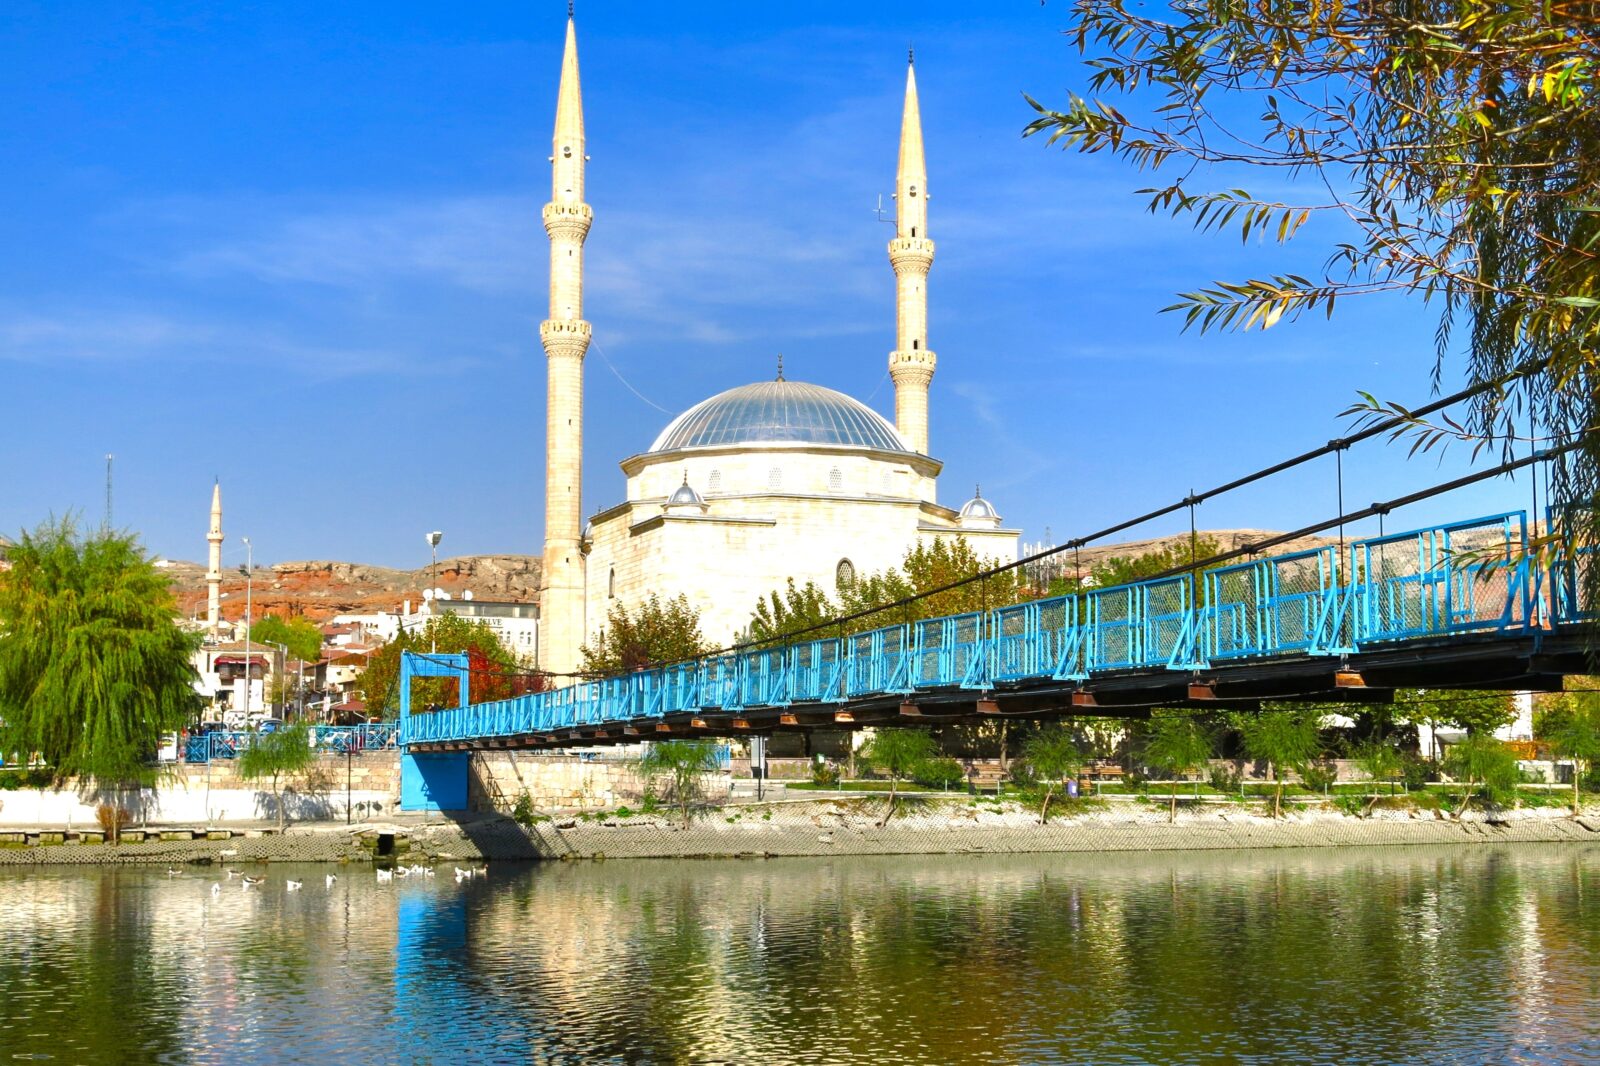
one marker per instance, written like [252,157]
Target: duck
[252,882]
[463,875]
[216,887]
[385,875]
[330,880]
[234,873]
[294,886]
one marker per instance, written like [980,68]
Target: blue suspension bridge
[1460,604]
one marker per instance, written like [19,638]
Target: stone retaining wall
[561,782]
[191,794]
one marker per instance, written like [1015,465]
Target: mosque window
[775,478]
[714,483]
[844,575]
[611,584]
[835,479]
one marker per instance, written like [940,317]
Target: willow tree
[93,666]
[1455,142]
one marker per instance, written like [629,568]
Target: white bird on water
[294,886]
[385,875]
[252,882]
[331,879]
[216,887]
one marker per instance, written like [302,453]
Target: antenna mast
[109,458]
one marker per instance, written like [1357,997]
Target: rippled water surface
[1415,955]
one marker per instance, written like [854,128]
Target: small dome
[979,511]
[685,496]
[769,412]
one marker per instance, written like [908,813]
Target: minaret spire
[911,364]
[214,561]
[565,336]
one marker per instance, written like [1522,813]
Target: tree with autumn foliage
[656,632]
[495,673]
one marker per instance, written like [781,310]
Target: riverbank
[813,828]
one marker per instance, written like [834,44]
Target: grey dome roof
[979,509]
[684,496]
[780,412]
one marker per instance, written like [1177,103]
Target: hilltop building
[761,483]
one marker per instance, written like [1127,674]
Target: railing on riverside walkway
[326,739]
[1442,582]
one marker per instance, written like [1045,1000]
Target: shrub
[1416,772]
[522,811]
[825,774]
[1225,779]
[1319,776]
[942,772]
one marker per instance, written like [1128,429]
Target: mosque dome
[979,512]
[780,412]
[685,496]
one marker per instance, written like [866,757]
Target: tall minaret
[911,364]
[214,562]
[565,336]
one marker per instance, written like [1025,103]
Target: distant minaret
[565,336]
[911,364]
[214,562]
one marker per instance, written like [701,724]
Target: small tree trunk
[1172,810]
[1044,809]
[1577,781]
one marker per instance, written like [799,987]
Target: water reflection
[1359,956]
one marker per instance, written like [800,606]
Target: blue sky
[297,246]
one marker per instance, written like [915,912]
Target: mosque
[757,485]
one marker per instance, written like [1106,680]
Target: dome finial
[977,492]
[780,366]
[685,475]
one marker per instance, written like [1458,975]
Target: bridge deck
[1457,605]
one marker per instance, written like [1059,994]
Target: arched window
[844,575]
[611,584]
[835,479]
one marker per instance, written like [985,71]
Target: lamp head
[434,538]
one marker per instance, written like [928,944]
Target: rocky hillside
[321,589]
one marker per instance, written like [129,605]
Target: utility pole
[249,579]
[433,588]
[109,458]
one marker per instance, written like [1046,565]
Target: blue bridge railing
[1471,577]
[326,739]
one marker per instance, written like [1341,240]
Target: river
[1467,955]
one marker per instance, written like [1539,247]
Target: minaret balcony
[911,254]
[911,368]
[570,221]
[565,336]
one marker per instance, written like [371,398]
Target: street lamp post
[433,586]
[249,581]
